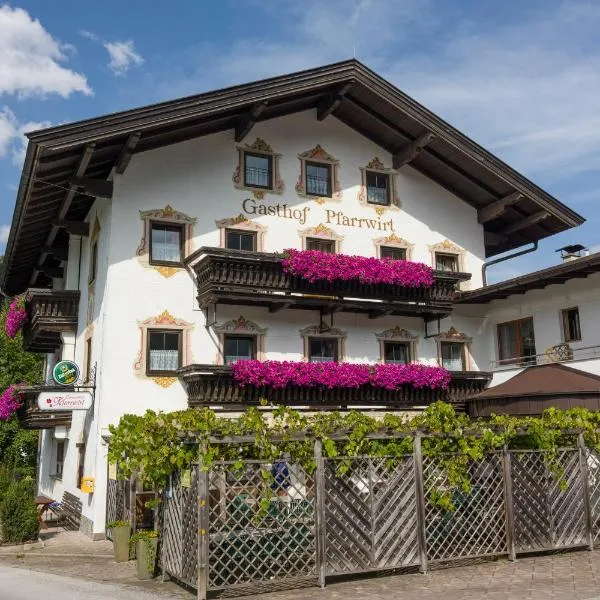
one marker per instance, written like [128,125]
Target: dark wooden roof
[537,388]
[518,212]
[578,268]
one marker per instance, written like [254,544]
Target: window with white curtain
[453,356]
[166,243]
[164,351]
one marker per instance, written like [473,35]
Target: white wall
[195,178]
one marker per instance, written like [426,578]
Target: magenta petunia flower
[9,402]
[15,317]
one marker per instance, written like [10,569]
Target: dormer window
[318,179]
[166,243]
[378,188]
[258,170]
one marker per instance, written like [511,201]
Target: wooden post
[319,491]
[132,511]
[203,526]
[587,507]
[508,504]
[420,498]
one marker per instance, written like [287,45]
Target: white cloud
[30,59]
[122,55]
[4,231]
[12,135]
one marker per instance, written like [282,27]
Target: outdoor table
[42,503]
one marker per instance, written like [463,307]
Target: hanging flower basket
[314,265]
[15,317]
[10,401]
[331,375]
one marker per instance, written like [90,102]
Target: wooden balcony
[50,313]
[239,277]
[31,417]
[214,385]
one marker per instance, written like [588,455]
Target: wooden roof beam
[58,252]
[126,153]
[99,188]
[248,121]
[73,227]
[332,101]
[525,222]
[412,150]
[495,209]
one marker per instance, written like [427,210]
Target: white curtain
[164,360]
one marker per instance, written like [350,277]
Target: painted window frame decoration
[167,215]
[377,166]
[319,155]
[241,223]
[259,146]
[393,241]
[165,320]
[453,335]
[323,331]
[397,334]
[448,247]
[242,327]
[167,372]
[323,232]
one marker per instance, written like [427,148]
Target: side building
[148,246]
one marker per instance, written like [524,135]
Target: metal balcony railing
[559,353]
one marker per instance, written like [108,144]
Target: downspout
[499,260]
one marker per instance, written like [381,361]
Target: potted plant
[145,543]
[121,530]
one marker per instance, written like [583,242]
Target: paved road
[23,584]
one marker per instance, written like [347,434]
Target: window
[378,188]
[93,261]
[80,463]
[446,262]
[164,351]
[453,356]
[258,170]
[392,252]
[240,240]
[166,244]
[320,245]
[396,352]
[88,359]
[516,342]
[237,347]
[318,179]
[60,458]
[571,325]
[322,349]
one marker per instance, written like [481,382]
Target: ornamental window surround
[258,169]
[164,347]
[397,345]
[240,339]
[454,350]
[323,343]
[378,188]
[250,234]
[166,240]
[393,246]
[311,237]
[319,176]
[447,256]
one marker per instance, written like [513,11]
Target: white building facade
[162,203]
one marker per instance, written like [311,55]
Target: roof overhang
[66,166]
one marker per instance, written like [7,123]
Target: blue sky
[521,78]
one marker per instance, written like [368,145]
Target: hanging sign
[49,401]
[65,372]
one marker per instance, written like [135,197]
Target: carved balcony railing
[31,417]
[214,385]
[49,313]
[240,277]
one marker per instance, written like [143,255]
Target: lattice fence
[117,502]
[477,526]
[255,523]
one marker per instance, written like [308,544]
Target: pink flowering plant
[280,374]
[15,317]
[314,265]
[9,402]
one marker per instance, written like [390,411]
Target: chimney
[573,252]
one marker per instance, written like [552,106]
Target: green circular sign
[65,372]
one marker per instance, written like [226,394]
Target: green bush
[18,514]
